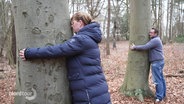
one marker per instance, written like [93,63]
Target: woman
[86,78]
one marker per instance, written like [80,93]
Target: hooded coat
[86,78]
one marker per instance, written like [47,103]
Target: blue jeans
[158,79]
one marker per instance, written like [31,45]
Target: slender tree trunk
[40,23]
[170,23]
[73,6]
[108,30]
[137,72]
[160,16]
[104,23]
[13,46]
[167,23]
[114,34]
[154,9]
[1,31]
[182,18]
[6,21]
[9,43]
[128,18]
[180,15]
[3,25]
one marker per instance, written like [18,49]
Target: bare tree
[108,29]
[10,42]
[156,9]
[5,22]
[167,23]
[118,7]
[160,18]
[94,7]
[76,5]
[178,25]
[6,36]
[171,19]
[2,37]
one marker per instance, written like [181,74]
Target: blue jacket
[86,78]
[155,48]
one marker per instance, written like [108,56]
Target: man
[156,58]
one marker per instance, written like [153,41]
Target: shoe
[157,101]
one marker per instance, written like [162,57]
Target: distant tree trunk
[114,34]
[137,72]
[182,19]
[154,9]
[104,23]
[1,31]
[3,26]
[167,23]
[160,16]
[108,30]
[73,6]
[6,22]
[41,23]
[128,18]
[171,17]
[116,19]
[13,46]
[9,43]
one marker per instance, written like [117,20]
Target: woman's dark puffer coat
[87,81]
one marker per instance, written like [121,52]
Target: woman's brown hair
[84,17]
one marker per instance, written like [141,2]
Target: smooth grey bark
[40,23]
[137,72]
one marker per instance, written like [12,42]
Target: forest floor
[114,66]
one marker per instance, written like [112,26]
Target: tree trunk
[182,19]
[167,23]
[9,42]
[1,30]
[136,78]
[128,18]
[160,19]
[40,23]
[154,9]
[108,30]
[170,21]
[13,46]
[114,34]
[180,15]
[3,25]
